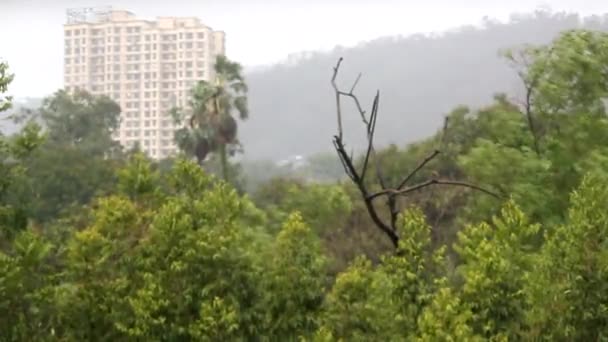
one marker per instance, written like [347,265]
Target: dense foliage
[98,244]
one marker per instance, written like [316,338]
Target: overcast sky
[257,31]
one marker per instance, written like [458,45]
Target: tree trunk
[224,162]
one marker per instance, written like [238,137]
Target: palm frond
[240,102]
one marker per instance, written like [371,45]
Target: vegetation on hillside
[100,244]
[421,76]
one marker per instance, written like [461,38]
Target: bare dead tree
[522,60]
[358,176]
[522,63]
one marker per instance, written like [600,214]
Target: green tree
[295,282]
[496,259]
[26,295]
[198,278]
[569,281]
[446,318]
[5,79]
[81,120]
[78,158]
[360,306]
[15,192]
[210,125]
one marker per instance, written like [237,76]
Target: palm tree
[211,126]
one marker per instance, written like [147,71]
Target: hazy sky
[257,31]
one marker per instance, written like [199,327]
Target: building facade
[148,67]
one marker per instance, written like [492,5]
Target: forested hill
[420,77]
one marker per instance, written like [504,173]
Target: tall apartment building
[147,67]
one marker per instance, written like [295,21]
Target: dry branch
[358,177]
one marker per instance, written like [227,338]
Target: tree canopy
[99,244]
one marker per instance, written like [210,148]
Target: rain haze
[426,57]
[311,170]
[257,32]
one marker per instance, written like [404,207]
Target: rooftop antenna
[88,14]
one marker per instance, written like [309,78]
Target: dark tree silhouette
[358,176]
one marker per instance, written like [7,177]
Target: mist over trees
[102,244]
[421,78]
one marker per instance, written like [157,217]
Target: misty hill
[420,77]
[7,125]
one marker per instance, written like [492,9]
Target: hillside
[7,125]
[421,77]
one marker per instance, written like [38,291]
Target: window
[189,35]
[201,35]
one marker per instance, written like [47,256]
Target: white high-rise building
[147,67]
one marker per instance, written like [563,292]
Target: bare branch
[444,132]
[349,168]
[371,128]
[338,109]
[347,161]
[522,63]
[528,113]
[418,168]
[358,178]
[429,183]
[352,89]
